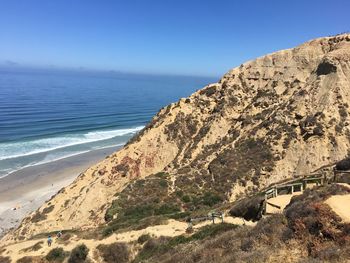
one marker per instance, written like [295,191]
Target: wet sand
[24,191]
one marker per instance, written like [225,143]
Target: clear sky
[189,37]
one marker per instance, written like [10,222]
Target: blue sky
[160,36]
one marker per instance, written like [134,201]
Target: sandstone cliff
[271,118]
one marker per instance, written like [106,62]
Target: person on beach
[49,241]
[59,234]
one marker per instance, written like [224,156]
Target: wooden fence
[211,216]
[298,184]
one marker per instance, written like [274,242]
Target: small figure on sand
[49,241]
[59,234]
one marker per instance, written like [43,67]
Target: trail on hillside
[172,229]
[340,205]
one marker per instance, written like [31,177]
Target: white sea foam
[52,158]
[26,148]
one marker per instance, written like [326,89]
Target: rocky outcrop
[282,114]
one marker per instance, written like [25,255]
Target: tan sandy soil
[281,200]
[173,228]
[340,204]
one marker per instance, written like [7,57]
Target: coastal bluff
[267,120]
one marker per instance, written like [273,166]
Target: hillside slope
[273,117]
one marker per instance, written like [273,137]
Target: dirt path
[340,205]
[281,201]
[173,228]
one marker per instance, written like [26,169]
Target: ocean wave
[52,158]
[31,147]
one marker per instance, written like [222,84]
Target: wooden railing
[337,173]
[298,184]
[211,216]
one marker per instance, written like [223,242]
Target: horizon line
[13,67]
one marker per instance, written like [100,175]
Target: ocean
[47,116]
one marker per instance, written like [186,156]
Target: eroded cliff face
[282,114]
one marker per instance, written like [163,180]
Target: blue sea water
[46,116]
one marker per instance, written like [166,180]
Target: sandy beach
[24,191]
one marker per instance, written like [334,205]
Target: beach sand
[24,191]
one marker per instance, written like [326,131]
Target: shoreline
[26,190]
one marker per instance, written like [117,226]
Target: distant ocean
[48,116]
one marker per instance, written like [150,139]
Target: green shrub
[181,215]
[162,244]
[139,201]
[186,199]
[24,260]
[139,212]
[163,183]
[115,252]
[143,238]
[56,255]
[212,230]
[166,209]
[48,209]
[42,216]
[38,217]
[35,247]
[78,254]
[161,175]
[5,259]
[211,199]
[151,247]
[179,193]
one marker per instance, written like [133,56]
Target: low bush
[115,252]
[212,230]
[151,247]
[180,215]
[25,260]
[143,238]
[186,199]
[56,255]
[315,224]
[210,199]
[78,254]
[163,244]
[308,227]
[35,247]
[166,209]
[5,259]
[43,215]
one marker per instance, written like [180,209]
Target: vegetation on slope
[153,200]
[308,231]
